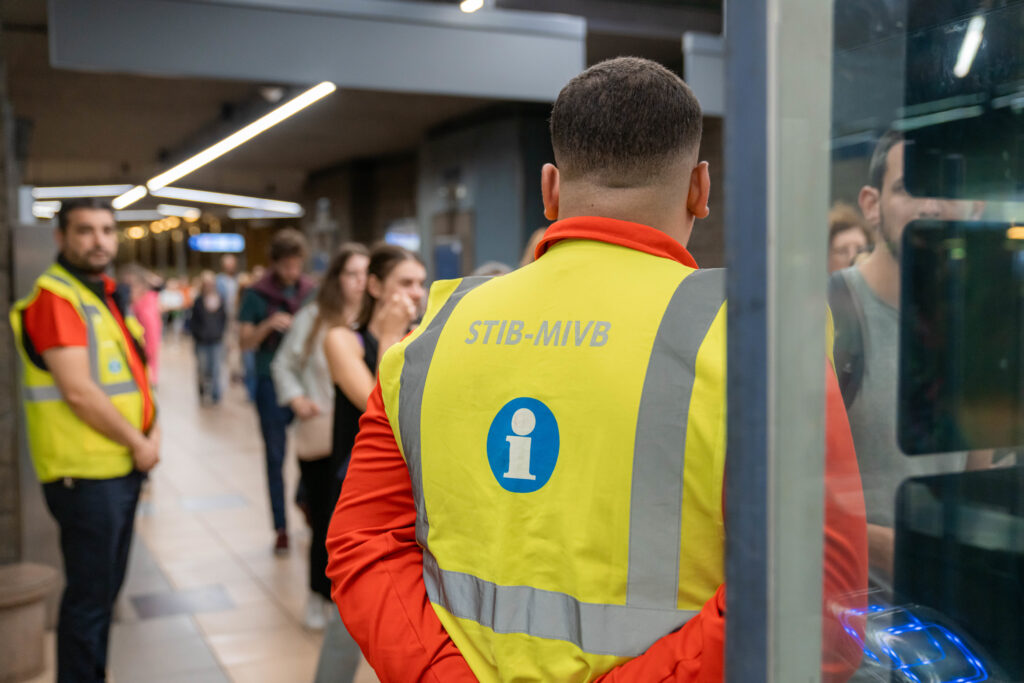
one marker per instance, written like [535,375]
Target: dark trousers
[274,421]
[208,357]
[96,519]
[322,490]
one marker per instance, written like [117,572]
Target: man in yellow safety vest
[90,421]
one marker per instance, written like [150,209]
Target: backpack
[849,350]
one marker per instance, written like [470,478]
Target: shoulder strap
[849,350]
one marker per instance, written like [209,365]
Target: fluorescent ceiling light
[130,197]
[247,214]
[202,196]
[189,212]
[470,6]
[138,215]
[969,48]
[258,126]
[71,192]
[45,210]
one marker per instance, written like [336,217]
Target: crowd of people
[511,503]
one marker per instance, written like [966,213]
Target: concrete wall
[488,169]
[10,499]
[707,244]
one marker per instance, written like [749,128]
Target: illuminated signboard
[219,242]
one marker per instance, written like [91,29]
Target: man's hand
[279,322]
[304,408]
[881,547]
[146,453]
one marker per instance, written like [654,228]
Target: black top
[208,326]
[346,415]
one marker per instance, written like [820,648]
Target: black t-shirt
[346,415]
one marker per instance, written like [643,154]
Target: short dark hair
[880,157]
[69,205]
[622,120]
[287,243]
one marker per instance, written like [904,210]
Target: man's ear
[550,183]
[869,200]
[700,191]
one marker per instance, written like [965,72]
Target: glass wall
[913,201]
[929,329]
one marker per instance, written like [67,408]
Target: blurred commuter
[228,285]
[530,250]
[537,522]
[848,237]
[492,269]
[264,316]
[303,383]
[208,325]
[144,287]
[391,303]
[90,423]
[865,303]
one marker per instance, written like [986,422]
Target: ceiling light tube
[138,215]
[258,126]
[180,211]
[71,192]
[470,6]
[128,198]
[247,214]
[969,48]
[202,196]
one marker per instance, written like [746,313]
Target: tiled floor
[205,599]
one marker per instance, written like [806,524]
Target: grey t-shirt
[883,466]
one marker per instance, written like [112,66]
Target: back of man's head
[623,123]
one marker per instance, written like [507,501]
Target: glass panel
[927,295]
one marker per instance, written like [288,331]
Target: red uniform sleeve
[376,566]
[51,321]
[846,540]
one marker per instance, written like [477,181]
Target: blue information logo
[114,366]
[522,445]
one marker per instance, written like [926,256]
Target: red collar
[613,231]
[109,285]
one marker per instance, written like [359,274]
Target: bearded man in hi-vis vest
[90,423]
[535,493]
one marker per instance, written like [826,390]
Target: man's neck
[882,273]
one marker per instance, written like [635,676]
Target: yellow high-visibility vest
[61,445]
[566,445]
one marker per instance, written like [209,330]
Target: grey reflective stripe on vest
[94,346]
[53,393]
[88,311]
[410,399]
[615,630]
[656,500]
[618,630]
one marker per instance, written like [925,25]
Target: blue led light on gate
[217,242]
[935,635]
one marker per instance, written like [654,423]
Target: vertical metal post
[778,94]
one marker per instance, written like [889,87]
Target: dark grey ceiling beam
[367,44]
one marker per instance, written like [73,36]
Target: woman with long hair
[394,292]
[303,382]
[391,302]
